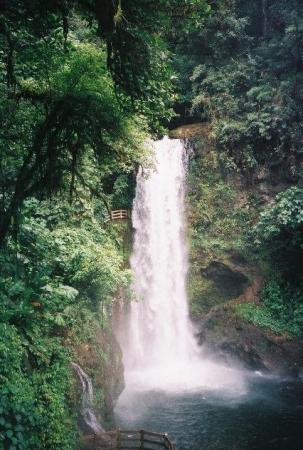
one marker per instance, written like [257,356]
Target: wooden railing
[127,440]
[118,214]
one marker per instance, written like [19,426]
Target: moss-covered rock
[223,206]
[233,339]
[101,358]
[220,209]
[190,131]
[230,282]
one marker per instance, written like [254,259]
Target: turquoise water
[268,417]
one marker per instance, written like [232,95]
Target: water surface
[268,417]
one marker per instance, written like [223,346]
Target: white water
[159,348]
[87,410]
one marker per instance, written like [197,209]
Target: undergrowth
[280,311]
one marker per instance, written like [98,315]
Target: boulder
[234,340]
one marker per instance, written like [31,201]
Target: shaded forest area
[83,85]
[241,72]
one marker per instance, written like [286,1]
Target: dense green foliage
[277,238]
[242,69]
[62,267]
[281,310]
[65,132]
[78,80]
[278,232]
[83,84]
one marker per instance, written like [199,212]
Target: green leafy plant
[278,232]
[281,310]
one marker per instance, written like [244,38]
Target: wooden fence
[127,440]
[118,214]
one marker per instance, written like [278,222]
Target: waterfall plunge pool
[269,416]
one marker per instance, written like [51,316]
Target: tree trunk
[6,220]
[264,17]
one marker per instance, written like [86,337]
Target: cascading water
[158,344]
[87,411]
[160,331]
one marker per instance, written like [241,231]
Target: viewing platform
[118,214]
[127,440]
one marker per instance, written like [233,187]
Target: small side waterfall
[158,343]
[87,410]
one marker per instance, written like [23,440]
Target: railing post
[95,441]
[167,443]
[142,439]
[118,439]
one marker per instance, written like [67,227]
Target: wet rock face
[234,340]
[231,283]
[101,358]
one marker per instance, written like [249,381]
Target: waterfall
[87,409]
[157,340]
[159,322]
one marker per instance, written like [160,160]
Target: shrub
[281,310]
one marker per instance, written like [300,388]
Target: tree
[50,127]
[278,232]
[75,74]
[245,74]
